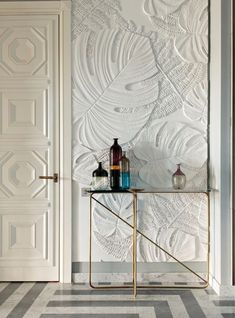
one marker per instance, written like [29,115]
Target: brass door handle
[54,177]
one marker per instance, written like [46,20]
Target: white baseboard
[221,290]
[163,278]
[143,267]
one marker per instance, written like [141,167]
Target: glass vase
[125,172]
[100,178]
[178,179]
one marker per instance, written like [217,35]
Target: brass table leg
[134,239]
[90,245]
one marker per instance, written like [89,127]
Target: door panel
[29,138]
[24,112]
[24,44]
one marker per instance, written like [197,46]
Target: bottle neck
[115,141]
[100,165]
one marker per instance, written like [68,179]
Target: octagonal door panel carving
[29,139]
[24,46]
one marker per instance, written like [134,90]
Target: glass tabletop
[150,190]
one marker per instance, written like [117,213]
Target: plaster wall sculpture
[148,87]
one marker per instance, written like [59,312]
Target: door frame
[63,10]
[233,144]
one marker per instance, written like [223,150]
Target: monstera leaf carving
[109,229]
[192,44]
[119,248]
[85,161]
[177,243]
[184,21]
[114,87]
[195,106]
[161,8]
[177,78]
[94,15]
[185,212]
[177,222]
[163,146]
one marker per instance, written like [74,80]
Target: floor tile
[52,300]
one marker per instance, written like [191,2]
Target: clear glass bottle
[100,178]
[178,179]
[125,172]
[115,157]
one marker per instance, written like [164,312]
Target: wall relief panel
[146,84]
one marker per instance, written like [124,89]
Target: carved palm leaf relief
[161,8]
[192,44]
[177,243]
[178,223]
[186,22]
[162,146]
[119,248]
[94,15]
[117,72]
[178,78]
[195,106]
[110,232]
[85,161]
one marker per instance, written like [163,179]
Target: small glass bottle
[125,172]
[115,157]
[178,179]
[100,178]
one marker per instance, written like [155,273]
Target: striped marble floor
[54,300]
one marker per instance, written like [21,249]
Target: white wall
[220,146]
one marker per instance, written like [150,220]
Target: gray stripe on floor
[192,306]
[26,302]
[161,308]
[228,315]
[102,303]
[224,303]
[90,292]
[90,315]
[147,291]
[8,291]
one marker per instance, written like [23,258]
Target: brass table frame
[135,231]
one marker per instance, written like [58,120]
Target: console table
[135,192]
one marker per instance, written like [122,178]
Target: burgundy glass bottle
[115,157]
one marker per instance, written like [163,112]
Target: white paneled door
[29,148]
